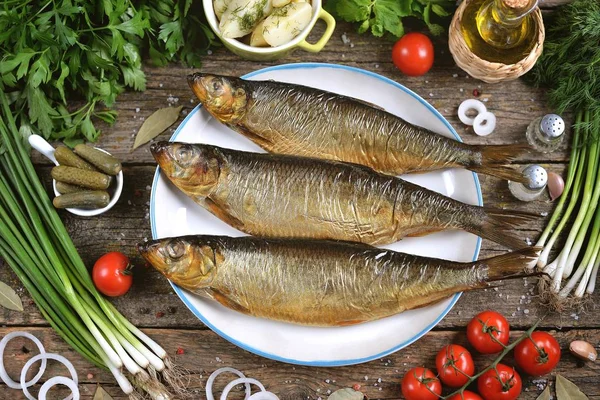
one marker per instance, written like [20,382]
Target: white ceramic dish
[173,214]
[46,149]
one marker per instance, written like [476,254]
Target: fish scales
[293,119]
[320,283]
[280,196]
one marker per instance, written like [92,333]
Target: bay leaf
[567,390]
[101,394]
[346,394]
[9,298]
[155,124]
[545,394]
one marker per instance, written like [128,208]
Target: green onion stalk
[36,245]
[570,68]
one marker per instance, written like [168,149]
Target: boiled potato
[286,23]
[257,38]
[281,3]
[220,6]
[242,16]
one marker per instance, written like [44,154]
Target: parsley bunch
[88,51]
[381,16]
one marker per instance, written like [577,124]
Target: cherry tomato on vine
[467,395]
[112,274]
[538,355]
[413,54]
[454,365]
[504,385]
[415,384]
[484,328]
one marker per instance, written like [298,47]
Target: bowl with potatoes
[262,30]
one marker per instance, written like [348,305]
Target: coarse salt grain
[455,75]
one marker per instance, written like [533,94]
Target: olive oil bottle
[502,31]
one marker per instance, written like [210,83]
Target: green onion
[36,245]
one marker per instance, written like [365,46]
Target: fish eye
[217,85]
[185,154]
[176,249]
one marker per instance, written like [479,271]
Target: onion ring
[47,356]
[4,375]
[470,104]
[59,380]
[213,376]
[482,129]
[236,382]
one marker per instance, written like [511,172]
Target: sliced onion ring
[47,356]
[484,129]
[263,396]
[236,382]
[470,104]
[4,375]
[59,380]
[213,376]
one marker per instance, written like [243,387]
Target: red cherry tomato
[483,327]
[538,355]
[112,274]
[415,384]
[454,365]
[504,385]
[413,54]
[467,395]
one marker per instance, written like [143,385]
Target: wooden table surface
[152,304]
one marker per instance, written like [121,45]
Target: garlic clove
[583,350]
[556,185]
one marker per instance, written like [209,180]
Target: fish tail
[492,160]
[496,225]
[513,265]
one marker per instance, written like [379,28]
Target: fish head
[224,97]
[191,167]
[182,261]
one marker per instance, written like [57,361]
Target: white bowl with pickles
[87,182]
[267,29]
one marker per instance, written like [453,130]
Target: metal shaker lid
[537,177]
[552,126]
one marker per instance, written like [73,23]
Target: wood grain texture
[204,352]
[152,304]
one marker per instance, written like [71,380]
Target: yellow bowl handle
[315,48]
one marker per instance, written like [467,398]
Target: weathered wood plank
[152,303]
[204,352]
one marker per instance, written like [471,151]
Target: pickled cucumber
[101,160]
[65,156]
[87,199]
[81,177]
[64,188]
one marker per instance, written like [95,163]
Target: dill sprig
[570,63]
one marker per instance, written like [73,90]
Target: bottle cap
[552,126]
[537,177]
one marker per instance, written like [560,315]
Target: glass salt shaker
[546,133]
[537,179]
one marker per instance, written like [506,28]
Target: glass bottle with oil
[502,31]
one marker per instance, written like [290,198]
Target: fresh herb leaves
[88,52]
[381,16]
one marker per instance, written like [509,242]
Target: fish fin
[496,226]
[259,140]
[512,265]
[494,159]
[222,214]
[224,300]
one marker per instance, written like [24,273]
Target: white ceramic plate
[174,214]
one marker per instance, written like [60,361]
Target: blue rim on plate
[319,363]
